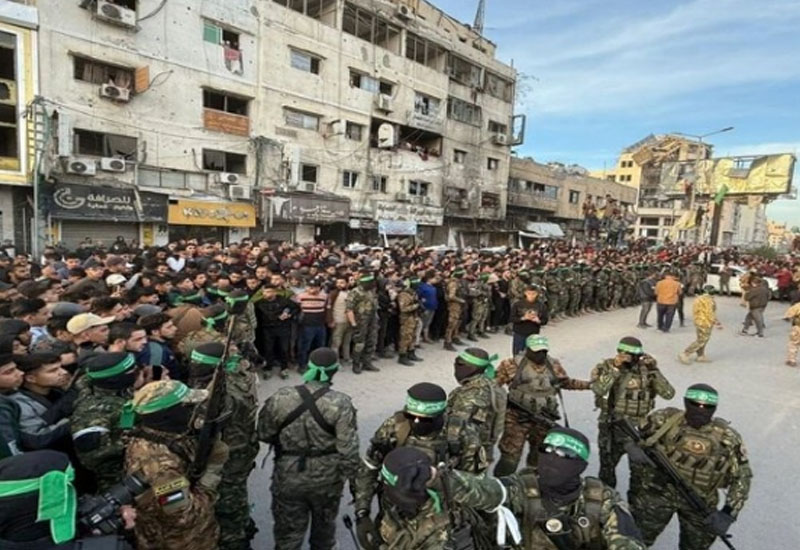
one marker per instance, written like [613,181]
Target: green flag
[721,194]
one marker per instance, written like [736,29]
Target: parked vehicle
[737,272]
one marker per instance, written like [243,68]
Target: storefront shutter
[74,232]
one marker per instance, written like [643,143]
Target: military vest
[446,447]
[483,418]
[702,456]
[531,389]
[581,525]
[365,302]
[632,395]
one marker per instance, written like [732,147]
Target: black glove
[719,522]
[368,536]
[636,455]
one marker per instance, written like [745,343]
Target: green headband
[458,272]
[425,408]
[566,441]
[313,370]
[702,396]
[636,350]
[487,364]
[201,358]
[180,299]
[58,500]
[366,279]
[218,292]
[391,479]
[114,370]
[211,321]
[233,300]
[130,411]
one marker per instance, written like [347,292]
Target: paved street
[759,395]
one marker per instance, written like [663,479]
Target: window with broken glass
[464,72]
[100,144]
[462,111]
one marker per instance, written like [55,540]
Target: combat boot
[458,341]
[483,335]
[356,367]
[449,347]
[404,360]
[683,358]
[414,357]
[472,338]
[369,367]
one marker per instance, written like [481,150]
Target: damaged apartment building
[290,119]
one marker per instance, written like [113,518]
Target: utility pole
[480,17]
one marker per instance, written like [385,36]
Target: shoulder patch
[171,486]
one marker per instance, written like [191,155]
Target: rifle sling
[309,404]
[671,422]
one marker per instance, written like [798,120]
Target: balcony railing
[540,201]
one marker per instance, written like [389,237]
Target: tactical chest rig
[534,390]
[576,527]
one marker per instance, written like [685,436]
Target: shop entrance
[199,232]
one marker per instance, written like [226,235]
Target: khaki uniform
[455,308]
[408,305]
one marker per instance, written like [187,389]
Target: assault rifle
[544,418]
[213,417]
[665,467]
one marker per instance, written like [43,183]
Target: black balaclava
[425,406]
[18,514]
[405,475]
[464,370]
[700,401]
[538,357]
[175,419]
[560,477]
[323,363]
[633,348]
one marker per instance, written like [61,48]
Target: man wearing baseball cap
[89,331]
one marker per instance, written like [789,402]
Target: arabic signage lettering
[311,208]
[403,212]
[216,214]
[80,202]
[393,227]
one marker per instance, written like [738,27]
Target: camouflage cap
[163,394]
[537,342]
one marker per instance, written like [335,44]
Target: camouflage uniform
[454,295]
[408,306]
[572,280]
[563,290]
[587,289]
[709,459]
[364,305]
[628,393]
[554,292]
[244,327]
[480,401]
[458,444]
[479,292]
[629,281]
[173,514]
[617,283]
[97,435]
[311,463]
[236,526]
[601,281]
[535,388]
[598,507]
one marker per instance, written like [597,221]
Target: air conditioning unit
[463,204]
[427,201]
[108,164]
[308,187]
[239,192]
[500,139]
[81,166]
[402,197]
[383,102]
[227,178]
[404,12]
[8,92]
[116,93]
[115,14]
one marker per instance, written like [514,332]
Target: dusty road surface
[759,395]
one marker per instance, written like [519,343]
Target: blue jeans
[518,344]
[311,338]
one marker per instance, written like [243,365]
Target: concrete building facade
[555,193]
[290,119]
[18,87]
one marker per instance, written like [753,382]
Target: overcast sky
[600,75]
